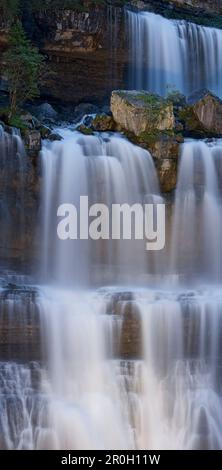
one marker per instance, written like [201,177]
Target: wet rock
[45,111]
[106,109]
[165,151]
[210,6]
[103,123]
[140,112]
[30,121]
[83,109]
[85,130]
[53,136]
[19,324]
[32,140]
[45,132]
[202,116]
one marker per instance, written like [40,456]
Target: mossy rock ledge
[202,115]
[148,121]
[142,112]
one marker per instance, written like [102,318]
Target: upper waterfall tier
[167,53]
[107,169]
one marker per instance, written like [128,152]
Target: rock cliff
[87,48]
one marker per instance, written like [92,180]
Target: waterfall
[170,53]
[97,356]
[180,406]
[22,407]
[116,367]
[197,221]
[108,169]
[13,163]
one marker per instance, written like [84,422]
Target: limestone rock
[140,112]
[103,123]
[202,116]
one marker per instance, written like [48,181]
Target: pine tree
[22,66]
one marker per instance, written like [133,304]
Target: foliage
[9,9]
[16,121]
[23,67]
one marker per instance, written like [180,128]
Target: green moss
[85,130]
[16,121]
[187,116]
[152,137]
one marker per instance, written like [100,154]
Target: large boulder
[141,112]
[202,116]
[45,111]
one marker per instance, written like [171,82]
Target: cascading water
[168,53]
[109,170]
[120,367]
[13,165]
[197,213]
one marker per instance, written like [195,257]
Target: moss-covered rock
[164,148]
[85,130]
[141,112]
[202,115]
[103,123]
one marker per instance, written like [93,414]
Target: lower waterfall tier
[117,369]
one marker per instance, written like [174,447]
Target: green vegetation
[156,106]
[85,130]
[9,9]
[23,67]
[16,121]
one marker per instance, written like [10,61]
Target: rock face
[148,120]
[86,47]
[202,116]
[165,151]
[19,195]
[211,6]
[141,112]
[103,123]
[85,50]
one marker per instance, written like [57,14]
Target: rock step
[21,339]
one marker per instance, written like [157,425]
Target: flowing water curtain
[109,170]
[168,53]
[13,162]
[197,215]
[180,404]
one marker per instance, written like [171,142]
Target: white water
[122,368]
[13,164]
[167,53]
[125,368]
[197,221]
[108,169]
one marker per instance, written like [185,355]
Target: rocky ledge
[161,124]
